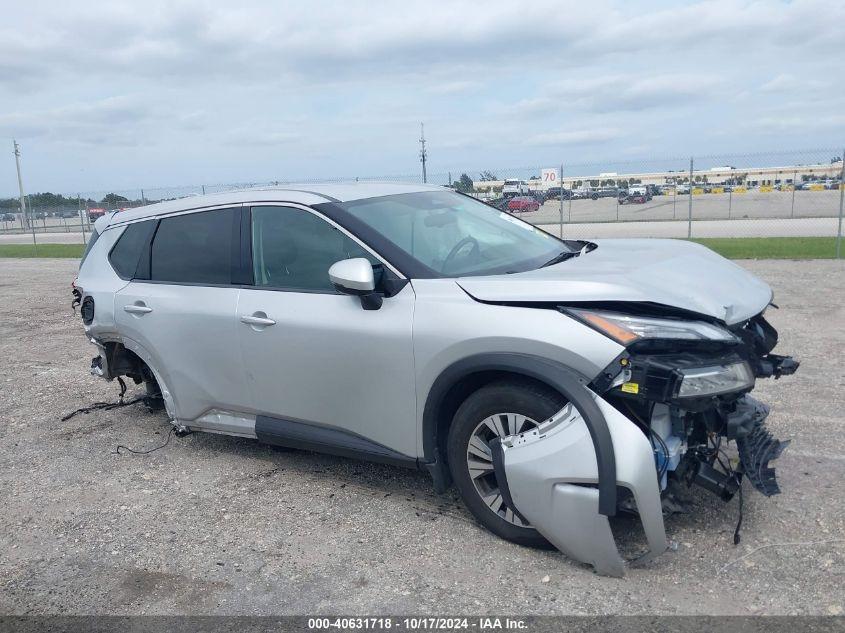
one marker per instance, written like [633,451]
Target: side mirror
[355,277]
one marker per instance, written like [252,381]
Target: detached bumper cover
[551,474]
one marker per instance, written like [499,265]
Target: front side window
[194,248]
[455,235]
[293,249]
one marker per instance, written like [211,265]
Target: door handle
[261,321]
[137,309]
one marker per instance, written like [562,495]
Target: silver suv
[554,382]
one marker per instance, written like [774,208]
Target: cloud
[454,87]
[236,91]
[786,83]
[349,41]
[575,137]
[110,120]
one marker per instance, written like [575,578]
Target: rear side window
[130,245]
[91,241]
[195,248]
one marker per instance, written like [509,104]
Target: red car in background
[521,204]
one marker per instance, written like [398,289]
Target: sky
[119,95]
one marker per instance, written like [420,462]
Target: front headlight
[626,329]
[712,381]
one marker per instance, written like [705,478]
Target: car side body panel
[188,330]
[450,326]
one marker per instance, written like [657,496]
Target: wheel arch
[463,377]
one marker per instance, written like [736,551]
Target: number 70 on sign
[550,176]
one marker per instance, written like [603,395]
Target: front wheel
[496,410]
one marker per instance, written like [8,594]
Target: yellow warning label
[740,190]
[765,189]
[630,387]
[697,191]
[717,190]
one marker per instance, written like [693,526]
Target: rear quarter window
[91,241]
[126,253]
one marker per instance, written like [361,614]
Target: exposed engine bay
[670,406]
[687,431]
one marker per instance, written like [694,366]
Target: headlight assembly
[715,380]
[626,329]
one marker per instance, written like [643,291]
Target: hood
[673,273]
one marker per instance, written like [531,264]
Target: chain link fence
[790,194]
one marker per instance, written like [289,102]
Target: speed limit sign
[550,177]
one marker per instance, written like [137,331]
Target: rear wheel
[496,410]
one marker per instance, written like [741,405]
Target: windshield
[455,235]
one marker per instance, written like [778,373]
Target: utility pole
[423,153]
[23,197]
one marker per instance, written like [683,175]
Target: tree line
[57,200]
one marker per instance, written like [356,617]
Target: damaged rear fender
[551,475]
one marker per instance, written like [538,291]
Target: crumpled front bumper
[550,475]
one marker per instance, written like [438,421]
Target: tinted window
[294,249]
[194,248]
[125,254]
[91,241]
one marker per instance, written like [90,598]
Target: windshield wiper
[561,257]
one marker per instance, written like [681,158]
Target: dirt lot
[211,524]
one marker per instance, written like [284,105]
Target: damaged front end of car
[671,402]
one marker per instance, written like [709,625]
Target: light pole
[23,197]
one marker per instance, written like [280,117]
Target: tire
[522,397]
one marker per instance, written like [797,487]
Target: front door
[313,356]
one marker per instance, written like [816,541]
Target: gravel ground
[217,525]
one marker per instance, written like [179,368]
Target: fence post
[560,178]
[674,198]
[689,213]
[841,200]
[730,200]
[792,211]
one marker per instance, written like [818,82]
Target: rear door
[180,307]
[316,360]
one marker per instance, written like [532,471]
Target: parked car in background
[514,187]
[682,189]
[93,214]
[520,204]
[603,192]
[638,194]
[556,194]
[9,217]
